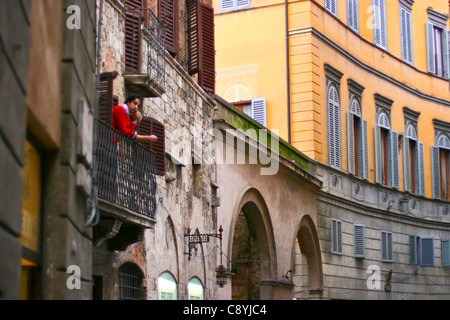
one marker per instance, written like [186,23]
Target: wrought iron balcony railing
[125,171]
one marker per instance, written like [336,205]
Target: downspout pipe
[94,216]
[288,80]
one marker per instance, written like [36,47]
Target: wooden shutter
[366,168]
[336,236]
[395,170]
[168,12]
[406,35]
[430,48]
[407,165]
[413,250]
[427,251]
[334,128]
[150,126]
[133,21]
[436,172]
[207,73]
[378,162]
[421,167]
[351,143]
[353,14]
[259,111]
[359,240]
[193,36]
[106,98]
[445,251]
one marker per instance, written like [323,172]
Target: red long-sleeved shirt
[122,122]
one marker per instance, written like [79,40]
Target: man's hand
[137,116]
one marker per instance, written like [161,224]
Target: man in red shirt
[126,117]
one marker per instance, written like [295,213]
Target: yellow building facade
[255,61]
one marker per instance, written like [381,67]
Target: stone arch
[307,241]
[252,210]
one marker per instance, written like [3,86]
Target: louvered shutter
[133,20]
[421,153]
[150,126]
[427,251]
[366,168]
[386,246]
[413,249]
[445,251]
[336,236]
[445,50]
[436,172]
[378,163]
[168,12]
[334,129]
[430,48]
[380,34]
[259,111]
[227,5]
[193,36]
[351,143]
[407,164]
[106,98]
[406,35]
[359,239]
[395,170]
[331,6]
[207,76]
[240,4]
[353,14]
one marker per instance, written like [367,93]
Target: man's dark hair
[133,97]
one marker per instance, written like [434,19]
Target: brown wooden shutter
[201,50]
[193,36]
[133,21]
[106,102]
[168,12]
[150,126]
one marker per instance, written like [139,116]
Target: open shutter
[193,36]
[430,48]
[168,12]
[445,49]
[421,153]
[413,249]
[133,20]
[351,143]
[407,164]
[445,250]
[395,181]
[334,128]
[378,164]
[359,236]
[365,153]
[427,251]
[436,171]
[150,126]
[107,101]
[259,111]
[207,73]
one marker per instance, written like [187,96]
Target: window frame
[437,22]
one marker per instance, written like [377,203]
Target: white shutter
[395,177]
[359,240]
[378,163]
[421,167]
[436,172]
[406,35]
[227,5]
[430,48]
[331,6]
[407,165]
[353,14]
[351,143]
[334,130]
[365,152]
[242,4]
[379,18]
[259,111]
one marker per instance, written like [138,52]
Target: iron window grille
[130,282]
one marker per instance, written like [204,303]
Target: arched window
[195,289]
[167,287]
[357,136]
[130,282]
[440,156]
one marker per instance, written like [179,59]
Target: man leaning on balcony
[127,116]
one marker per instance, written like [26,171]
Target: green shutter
[366,168]
[421,167]
[407,165]
[395,177]
[359,240]
[413,249]
[445,250]
[378,164]
[427,251]
[351,143]
[436,172]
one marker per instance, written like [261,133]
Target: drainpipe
[288,80]
[94,215]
